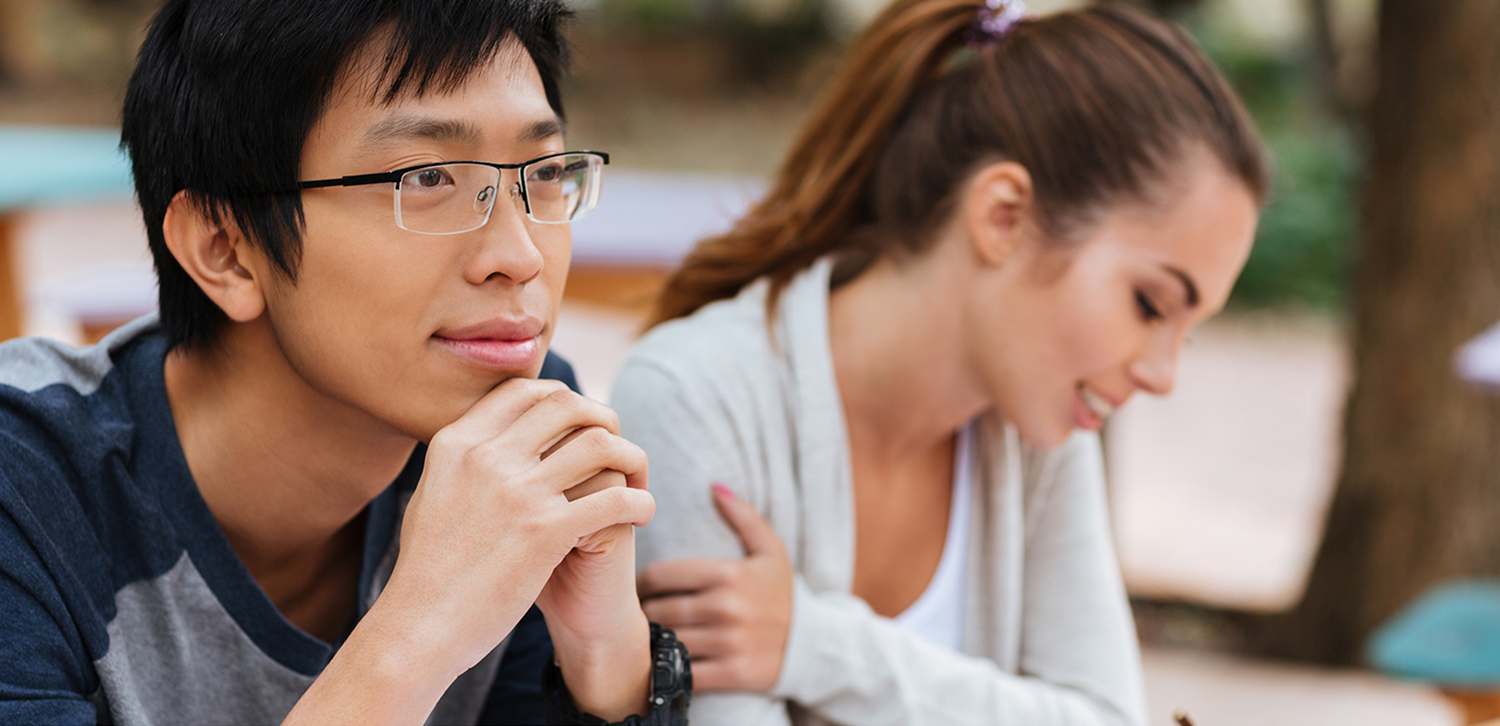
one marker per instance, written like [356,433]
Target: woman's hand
[733,615]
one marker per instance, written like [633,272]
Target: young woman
[870,407]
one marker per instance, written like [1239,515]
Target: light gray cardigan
[1048,637]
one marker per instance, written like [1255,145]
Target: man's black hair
[225,92]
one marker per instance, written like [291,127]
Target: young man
[339,400]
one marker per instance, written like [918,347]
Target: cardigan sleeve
[689,449]
[690,446]
[846,664]
[1078,628]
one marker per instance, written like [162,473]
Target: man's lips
[495,329]
[498,344]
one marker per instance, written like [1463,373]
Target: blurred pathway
[1219,491]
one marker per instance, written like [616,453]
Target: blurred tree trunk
[1328,57]
[1419,496]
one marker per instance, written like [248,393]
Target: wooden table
[46,165]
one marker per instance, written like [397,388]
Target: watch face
[671,672]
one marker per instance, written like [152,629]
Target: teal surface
[1450,636]
[46,165]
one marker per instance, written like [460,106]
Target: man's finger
[754,531]
[592,451]
[503,405]
[615,505]
[596,483]
[672,577]
[539,430]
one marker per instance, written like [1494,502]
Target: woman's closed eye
[1149,311]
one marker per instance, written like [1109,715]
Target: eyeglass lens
[453,198]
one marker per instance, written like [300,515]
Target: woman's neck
[899,354]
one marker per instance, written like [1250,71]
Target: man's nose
[508,249]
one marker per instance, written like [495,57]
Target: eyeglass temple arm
[355,180]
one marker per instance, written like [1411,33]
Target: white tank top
[938,614]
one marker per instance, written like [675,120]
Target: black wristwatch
[671,688]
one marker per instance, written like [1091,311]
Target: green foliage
[657,17]
[1303,247]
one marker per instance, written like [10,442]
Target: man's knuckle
[447,438]
[478,459]
[594,443]
[519,384]
[563,398]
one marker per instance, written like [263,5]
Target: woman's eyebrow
[1187,284]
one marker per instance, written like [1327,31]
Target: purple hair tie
[997,18]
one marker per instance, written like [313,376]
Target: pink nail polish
[723,491]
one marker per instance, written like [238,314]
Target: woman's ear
[996,211]
[217,256]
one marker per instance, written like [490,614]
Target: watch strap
[671,688]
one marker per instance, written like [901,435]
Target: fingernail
[723,491]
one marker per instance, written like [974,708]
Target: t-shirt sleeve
[555,368]
[516,697]
[44,676]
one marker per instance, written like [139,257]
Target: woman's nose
[1155,370]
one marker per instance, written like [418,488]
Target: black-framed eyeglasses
[458,196]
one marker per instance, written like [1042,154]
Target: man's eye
[1149,311]
[548,173]
[432,178]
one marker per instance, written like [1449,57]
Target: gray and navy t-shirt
[120,599]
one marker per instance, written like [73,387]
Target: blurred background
[1300,503]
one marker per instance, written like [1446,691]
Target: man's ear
[217,256]
[997,209]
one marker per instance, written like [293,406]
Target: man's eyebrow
[1187,283]
[541,130]
[398,127]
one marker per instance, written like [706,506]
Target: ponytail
[1095,103]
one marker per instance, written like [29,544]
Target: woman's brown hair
[1098,104]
